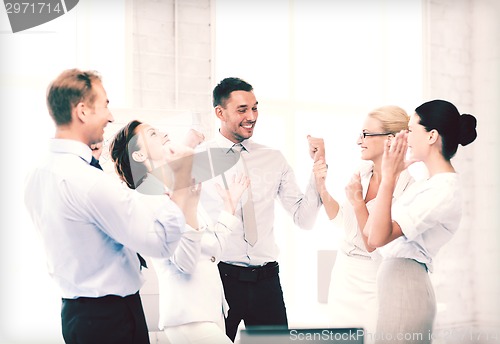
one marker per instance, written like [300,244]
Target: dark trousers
[254,295]
[107,320]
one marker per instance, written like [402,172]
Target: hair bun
[468,131]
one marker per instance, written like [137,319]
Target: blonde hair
[392,118]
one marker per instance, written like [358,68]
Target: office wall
[485,84]
[172,55]
[462,65]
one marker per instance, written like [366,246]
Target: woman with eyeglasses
[410,232]
[352,295]
[192,303]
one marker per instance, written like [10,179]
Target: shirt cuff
[312,186]
[228,220]
[193,234]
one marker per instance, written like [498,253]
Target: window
[318,67]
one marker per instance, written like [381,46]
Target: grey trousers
[407,304]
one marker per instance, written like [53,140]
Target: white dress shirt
[92,226]
[428,213]
[271,177]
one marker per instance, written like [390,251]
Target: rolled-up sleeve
[303,207]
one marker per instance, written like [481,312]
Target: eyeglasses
[363,134]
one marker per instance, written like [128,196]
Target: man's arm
[150,225]
[303,207]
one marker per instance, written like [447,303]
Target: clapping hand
[193,138]
[393,160]
[354,190]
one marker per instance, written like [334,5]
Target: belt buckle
[249,275]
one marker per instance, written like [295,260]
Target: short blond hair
[392,118]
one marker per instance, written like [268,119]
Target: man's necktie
[94,162]
[247,208]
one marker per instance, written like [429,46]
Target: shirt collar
[74,147]
[366,168]
[223,142]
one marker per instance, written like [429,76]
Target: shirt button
[212,259]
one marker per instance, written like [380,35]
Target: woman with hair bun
[410,232]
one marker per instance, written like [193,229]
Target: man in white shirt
[91,226]
[248,267]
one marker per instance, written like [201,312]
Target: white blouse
[189,282]
[429,214]
[353,244]
[190,285]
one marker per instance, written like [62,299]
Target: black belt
[102,299]
[249,273]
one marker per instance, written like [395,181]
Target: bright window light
[318,67]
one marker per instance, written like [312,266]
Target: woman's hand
[393,160]
[232,195]
[320,170]
[193,138]
[354,190]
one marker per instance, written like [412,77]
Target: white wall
[485,84]
[463,61]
